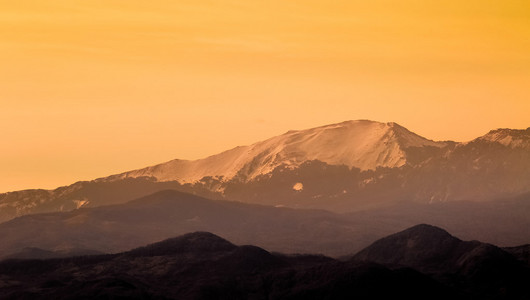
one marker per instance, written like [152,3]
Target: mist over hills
[169,213]
[428,263]
[350,166]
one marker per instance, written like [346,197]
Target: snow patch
[298,186]
[80,203]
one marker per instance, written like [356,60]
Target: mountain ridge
[514,138]
[431,250]
[202,265]
[362,144]
[316,168]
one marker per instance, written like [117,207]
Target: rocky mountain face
[364,145]
[202,265]
[349,166]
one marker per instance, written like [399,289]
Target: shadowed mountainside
[520,252]
[170,213]
[470,265]
[165,214]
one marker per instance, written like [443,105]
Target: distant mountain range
[350,166]
[422,262]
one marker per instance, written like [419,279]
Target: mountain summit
[349,166]
[513,138]
[361,144]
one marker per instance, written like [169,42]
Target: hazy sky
[96,87]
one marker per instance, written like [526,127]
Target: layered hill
[202,265]
[350,166]
[166,214]
[170,213]
[430,249]
[205,266]
[488,270]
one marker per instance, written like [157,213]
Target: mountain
[508,138]
[169,213]
[423,247]
[481,267]
[521,252]
[192,243]
[204,266]
[201,265]
[350,166]
[362,144]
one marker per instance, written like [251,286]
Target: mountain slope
[423,247]
[194,243]
[520,252]
[169,213]
[484,268]
[508,137]
[350,166]
[361,144]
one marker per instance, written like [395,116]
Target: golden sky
[95,87]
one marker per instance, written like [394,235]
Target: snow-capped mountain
[361,144]
[508,137]
[342,167]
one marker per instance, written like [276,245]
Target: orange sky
[92,88]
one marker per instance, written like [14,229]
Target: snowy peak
[362,144]
[513,138]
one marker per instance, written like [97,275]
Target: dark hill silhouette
[196,243]
[424,247]
[204,266]
[521,252]
[481,267]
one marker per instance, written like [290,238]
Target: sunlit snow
[298,186]
[362,144]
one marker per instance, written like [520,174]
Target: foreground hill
[472,265]
[350,166]
[430,249]
[165,214]
[202,265]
